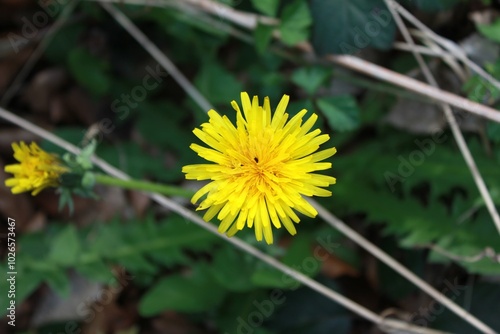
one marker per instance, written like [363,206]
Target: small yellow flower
[35,171]
[262,168]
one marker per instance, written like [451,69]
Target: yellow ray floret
[35,171]
[260,169]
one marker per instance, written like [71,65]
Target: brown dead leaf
[140,202]
[36,223]
[334,267]
[110,317]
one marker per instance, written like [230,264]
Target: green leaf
[137,263]
[196,293]
[299,256]
[63,42]
[74,135]
[311,78]
[481,90]
[238,305]
[65,247]
[115,241]
[267,7]
[490,31]
[59,282]
[442,169]
[160,124]
[295,21]
[346,27]
[136,162]
[26,283]
[481,298]
[341,112]
[493,131]
[89,71]
[262,36]
[270,278]
[324,317]
[232,269]
[217,84]
[374,106]
[97,271]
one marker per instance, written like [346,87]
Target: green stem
[143,185]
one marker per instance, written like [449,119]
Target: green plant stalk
[143,185]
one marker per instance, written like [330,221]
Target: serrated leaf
[311,78]
[262,36]
[346,27]
[65,247]
[295,21]
[97,271]
[365,190]
[116,241]
[137,263]
[268,7]
[341,112]
[196,293]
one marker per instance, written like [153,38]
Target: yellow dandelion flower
[262,168]
[35,171]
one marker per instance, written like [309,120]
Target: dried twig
[248,20]
[391,262]
[446,43]
[438,95]
[351,233]
[158,55]
[459,138]
[192,216]
[487,253]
